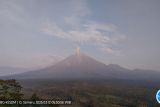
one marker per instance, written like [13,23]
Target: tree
[10,90]
[34,97]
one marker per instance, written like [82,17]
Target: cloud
[12,12]
[101,35]
[83,31]
[111,51]
[79,10]
[75,27]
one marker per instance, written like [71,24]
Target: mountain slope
[75,66]
[81,66]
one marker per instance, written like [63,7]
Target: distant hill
[81,66]
[4,70]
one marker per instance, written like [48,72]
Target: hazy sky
[36,33]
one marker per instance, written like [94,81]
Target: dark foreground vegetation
[86,93]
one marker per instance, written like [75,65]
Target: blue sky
[36,33]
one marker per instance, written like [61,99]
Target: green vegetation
[95,93]
[10,90]
[87,93]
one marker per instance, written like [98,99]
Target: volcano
[81,66]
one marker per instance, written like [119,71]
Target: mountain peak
[82,66]
[77,50]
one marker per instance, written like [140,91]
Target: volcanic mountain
[81,66]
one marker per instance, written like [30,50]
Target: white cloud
[101,35]
[81,31]
[111,51]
